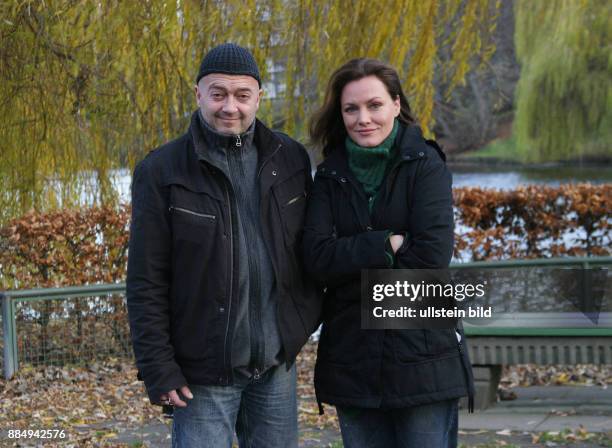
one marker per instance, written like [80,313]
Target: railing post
[587,302]
[10,336]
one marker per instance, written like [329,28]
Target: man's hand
[396,242]
[172,398]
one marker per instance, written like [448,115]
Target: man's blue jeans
[263,412]
[432,425]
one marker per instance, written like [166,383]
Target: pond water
[511,177]
[472,176]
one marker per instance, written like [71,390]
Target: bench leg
[486,380]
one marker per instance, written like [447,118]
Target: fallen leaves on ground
[556,375]
[88,402]
[565,436]
[308,412]
[93,402]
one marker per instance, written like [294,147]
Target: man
[218,304]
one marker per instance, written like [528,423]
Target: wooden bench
[538,338]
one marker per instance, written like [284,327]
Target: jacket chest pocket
[290,197]
[195,216]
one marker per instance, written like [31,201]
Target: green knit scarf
[369,164]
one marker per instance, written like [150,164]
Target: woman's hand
[396,242]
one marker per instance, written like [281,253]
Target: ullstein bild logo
[434,299]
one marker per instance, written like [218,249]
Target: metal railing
[56,326]
[546,322]
[73,324]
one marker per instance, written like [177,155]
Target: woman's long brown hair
[327,129]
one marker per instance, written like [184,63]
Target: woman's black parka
[382,368]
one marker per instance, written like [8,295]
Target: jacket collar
[224,141]
[264,139]
[409,143]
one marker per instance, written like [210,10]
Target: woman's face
[368,111]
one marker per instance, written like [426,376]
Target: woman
[381,199]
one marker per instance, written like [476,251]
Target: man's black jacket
[182,282]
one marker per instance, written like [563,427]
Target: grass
[506,150]
[500,149]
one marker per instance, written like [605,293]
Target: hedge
[86,246]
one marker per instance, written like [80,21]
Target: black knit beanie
[230,59]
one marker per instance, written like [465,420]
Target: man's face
[228,102]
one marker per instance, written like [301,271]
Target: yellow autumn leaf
[562,378]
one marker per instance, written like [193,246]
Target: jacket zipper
[231,277]
[295,199]
[258,361]
[191,212]
[238,141]
[257,370]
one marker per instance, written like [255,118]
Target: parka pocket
[196,217]
[193,217]
[291,198]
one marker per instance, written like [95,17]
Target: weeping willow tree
[88,86]
[564,95]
